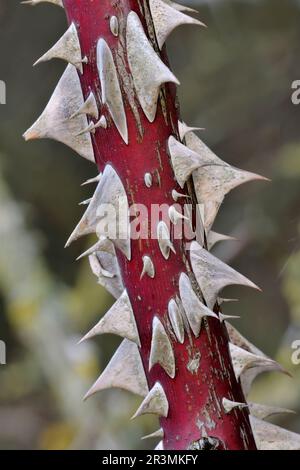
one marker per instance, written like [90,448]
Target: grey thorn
[125,370]
[154,403]
[271,437]
[148,180]
[239,340]
[230,405]
[184,160]
[243,360]
[36,2]
[183,129]
[195,310]
[223,317]
[180,7]
[148,267]
[100,261]
[119,320]
[148,71]
[222,300]
[85,202]
[96,179]
[213,238]
[166,19]
[110,190]
[89,108]
[213,275]
[88,129]
[249,375]
[110,87]
[175,216]
[160,446]
[215,179]
[67,48]
[161,349]
[176,195]
[159,433]
[54,123]
[104,244]
[266,411]
[114,25]
[164,241]
[176,320]
[101,123]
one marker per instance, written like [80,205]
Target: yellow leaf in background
[87,369]
[57,436]
[23,313]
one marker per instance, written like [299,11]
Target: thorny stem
[204,373]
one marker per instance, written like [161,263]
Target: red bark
[195,399]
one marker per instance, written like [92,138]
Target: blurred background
[236,81]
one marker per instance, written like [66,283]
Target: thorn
[166,19]
[110,190]
[125,370]
[160,446]
[221,300]
[175,216]
[213,238]
[180,7]
[36,2]
[271,437]
[195,310]
[102,260]
[111,91]
[161,349]
[184,160]
[93,180]
[229,405]
[67,48]
[101,123]
[176,195]
[154,403]
[223,317]
[264,411]
[207,267]
[148,267]
[148,180]
[176,320]
[66,99]
[114,26]
[119,320]
[158,433]
[215,179]
[89,128]
[104,244]
[183,129]
[148,71]
[243,360]
[163,237]
[85,203]
[89,108]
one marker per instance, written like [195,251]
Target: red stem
[195,399]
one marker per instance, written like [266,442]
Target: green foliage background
[236,82]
